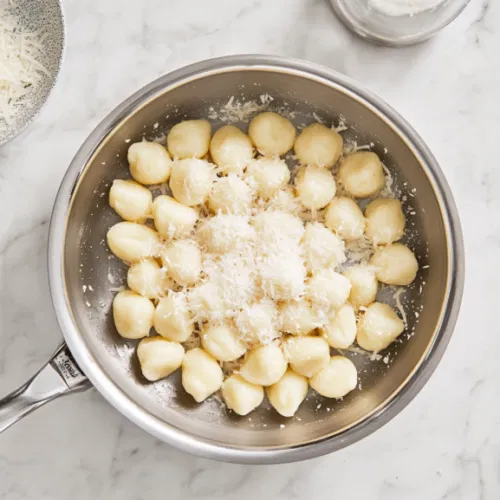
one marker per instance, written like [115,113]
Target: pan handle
[60,376]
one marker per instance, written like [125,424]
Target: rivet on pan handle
[60,376]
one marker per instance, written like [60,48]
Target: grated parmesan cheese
[20,68]
[399,305]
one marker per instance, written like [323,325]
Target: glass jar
[397,22]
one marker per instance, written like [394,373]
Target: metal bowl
[80,266]
[45,16]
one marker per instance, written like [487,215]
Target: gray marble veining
[446,444]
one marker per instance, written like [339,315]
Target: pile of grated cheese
[21,53]
[240,283]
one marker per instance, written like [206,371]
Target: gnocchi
[321,247]
[172,318]
[307,355]
[340,330]
[364,285]
[191,181]
[132,314]
[131,242]
[267,176]
[297,317]
[173,219]
[240,395]
[385,221]
[258,322]
[378,327]
[361,174]
[182,261]
[264,365]
[222,342]
[201,374]
[189,139]
[315,187]
[158,357]
[272,134]
[287,394]
[345,218]
[146,278]
[206,302]
[231,149]
[319,146]
[337,379]
[328,287]
[395,264]
[130,200]
[230,195]
[149,162]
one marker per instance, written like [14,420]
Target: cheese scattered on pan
[20,66]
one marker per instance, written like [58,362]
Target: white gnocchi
[328,288]
[130,200]
[231,149]
[222,342]
[364,285]
[131,242]
[173,219]
[240,395]
[321,247]
[191,181]
[206,302]
[337,379]
[231,195]
[297,317]
[267,176]
[361,174]
[201,374]
[149,163]
[395,264]
[319,146]
[282,275]
[307,355]
[315,187]
[182,262]
[345,218]
[272,134]
[158,358]
[385,221]
[264,365]
[340,330]
[132,314]
[378,327]
[258,322]
[287,394]
[189,139]
[146,278]
[172,318]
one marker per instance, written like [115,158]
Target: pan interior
[92,274]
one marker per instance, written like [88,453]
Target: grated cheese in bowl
[31,45]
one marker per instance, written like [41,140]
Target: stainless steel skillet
[81,272]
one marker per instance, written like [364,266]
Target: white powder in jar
[404,7]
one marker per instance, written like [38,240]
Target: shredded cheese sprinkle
[20,67]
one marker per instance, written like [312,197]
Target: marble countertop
[445,445]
